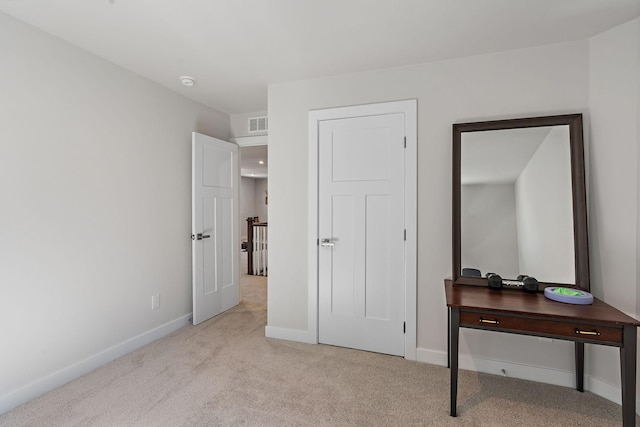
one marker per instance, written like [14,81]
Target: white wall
[95,186]
[545,212]
[252,203]
[240,124]
[525,82]
[489,230]
[261,207]
[614,188]
[247,203]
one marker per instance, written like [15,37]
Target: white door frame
[410,109]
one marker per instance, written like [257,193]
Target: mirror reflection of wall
[489,234]
[516,198]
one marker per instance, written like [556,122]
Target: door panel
[361,212]
[342,282]
[208,245]
[377,244]
[351,147]
[215,207]
[219,167]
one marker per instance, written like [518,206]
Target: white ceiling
[250,158]
[235,48]
[498,156]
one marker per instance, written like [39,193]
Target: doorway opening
[254,199]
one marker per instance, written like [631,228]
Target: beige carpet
[225,372]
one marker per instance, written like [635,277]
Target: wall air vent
[258,124]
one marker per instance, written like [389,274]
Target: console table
[515,311]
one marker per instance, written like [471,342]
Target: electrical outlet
[155,301]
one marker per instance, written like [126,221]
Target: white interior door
[361,228]
[214,226]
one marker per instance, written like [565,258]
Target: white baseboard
[432,357]
[526,372]
[299,335]
[56,379]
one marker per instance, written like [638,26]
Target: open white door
[215,232]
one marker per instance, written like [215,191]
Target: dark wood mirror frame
[581,246]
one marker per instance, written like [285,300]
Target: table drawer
[533,326]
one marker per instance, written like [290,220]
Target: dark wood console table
[515,311]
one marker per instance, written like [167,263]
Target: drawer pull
[491,321]
[581,332]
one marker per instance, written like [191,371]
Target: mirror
[519,201]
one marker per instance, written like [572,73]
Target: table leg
[448,337]
[579,365]
[628,373]
[453,357]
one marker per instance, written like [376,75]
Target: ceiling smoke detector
[187,81]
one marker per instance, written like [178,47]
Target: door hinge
[317,242]
[405,142]
[404,327]
[405,234]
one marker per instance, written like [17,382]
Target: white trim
[250,141]
[410,109]
[298,335]
[432,357]
[62,376]
[411,225]
[312,239]
[526,372]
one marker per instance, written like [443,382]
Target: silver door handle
[327,242]
[200,236]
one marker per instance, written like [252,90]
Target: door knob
[327,242]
